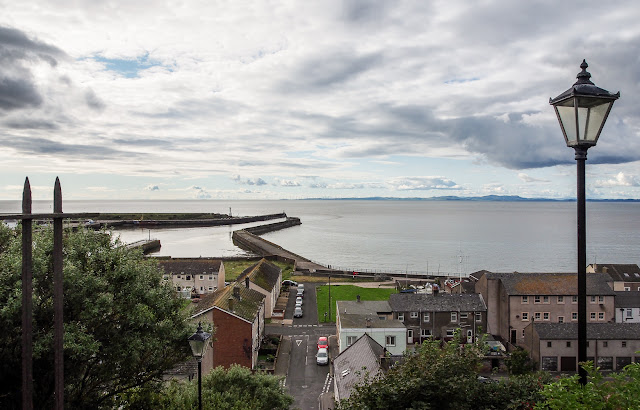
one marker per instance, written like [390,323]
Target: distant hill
[493,198]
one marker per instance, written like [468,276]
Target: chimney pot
[246,282]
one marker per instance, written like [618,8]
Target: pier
[147,245]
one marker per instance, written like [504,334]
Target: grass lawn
[346,292]
[233,269]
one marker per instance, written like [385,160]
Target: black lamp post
[198,343]
[582,111]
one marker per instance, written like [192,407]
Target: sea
[400,236]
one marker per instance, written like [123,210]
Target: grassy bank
[233,269]
[346,292]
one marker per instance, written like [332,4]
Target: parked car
[288,282]
[298,301]
[301,286]
[323,342]
[322,357]
[300,292]
[297,312]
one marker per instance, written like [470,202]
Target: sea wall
[166,223]
[262,229]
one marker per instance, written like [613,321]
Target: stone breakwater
[180,223]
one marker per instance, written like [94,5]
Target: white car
[297,312]
[299,301]
[322,357]
[300,292]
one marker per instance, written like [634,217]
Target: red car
[323,342]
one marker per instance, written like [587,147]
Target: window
[188,277]
[600,299]
[450,332]
[401,316]
[627,288]
[454,316]
[568,344]
[410,333]
[560,299]
[201,277]
[210,277]
[536,299]
[525,315]
[413,315]
[478,317]
[464,315]
[550,363]
[574,299]
[523,333]
[629,313]
[210,288]
[425,333]
[605,344]
[390,341]
[536,316]
[624,344]
[425,317]
[545,316]
[525,299]
[179,277]
[351,340]
[545,299]
[574,316]
[600,315]
[593,299]
[621,362]
[548,344]
[201,288]
[605,363]
[165,277]
[560,319]
[593,315]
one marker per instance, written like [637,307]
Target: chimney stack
[246,282]
[231,301]
[236,293]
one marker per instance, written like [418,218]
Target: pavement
[282,363]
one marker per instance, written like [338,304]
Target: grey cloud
[17,87]
[43,146]
[93,101]
[152,188]
[318,185]
[30,123]
[288,183]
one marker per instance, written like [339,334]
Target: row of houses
[534,311]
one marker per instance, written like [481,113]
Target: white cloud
[527,178]
[620,180]
[288,183]
[422,183]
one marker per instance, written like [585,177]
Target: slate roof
[264,274]
[603,331]
[518,283]
[419,302]
[350,365]
[358,315]
[619,272]
[191,266]
[246,304]
[627,299]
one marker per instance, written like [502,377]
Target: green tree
[443,376]
[234,389]
[519,362]
[617,391]
[123,326]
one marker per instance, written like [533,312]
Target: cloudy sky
[296,99]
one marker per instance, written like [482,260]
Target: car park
[323,342]
[322,357]
[297,312]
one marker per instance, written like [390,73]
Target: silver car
[322,357]
[297,312]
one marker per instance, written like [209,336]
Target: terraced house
[438,316]
[191,276]
[516,299]
[266,278]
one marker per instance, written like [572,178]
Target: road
[305,380]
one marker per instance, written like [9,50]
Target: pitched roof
[264,274]
[518,283]
[619,272]
[603,331]
[191,266]
[627,300]
[351,365]
[366,313]
[242,302]
[444,302]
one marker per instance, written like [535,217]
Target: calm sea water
[400,236]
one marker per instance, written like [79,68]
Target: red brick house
[237,313]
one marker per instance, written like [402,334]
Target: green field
[346,292]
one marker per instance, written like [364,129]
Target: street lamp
[198,343]
[582,111]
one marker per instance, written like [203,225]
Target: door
[568,364]
[469,336]
[410,336]
[513,336]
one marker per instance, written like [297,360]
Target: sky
[267,99]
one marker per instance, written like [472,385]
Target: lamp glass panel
[597,117]
[568,120]
[583,117]
[197,347]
